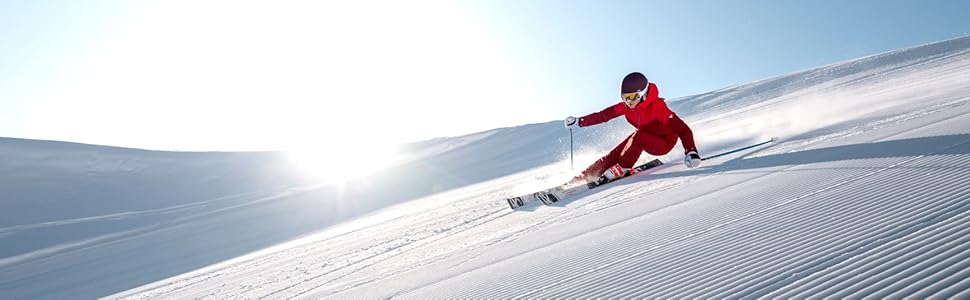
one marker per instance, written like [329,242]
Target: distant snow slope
[865,195]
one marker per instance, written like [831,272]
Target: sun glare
[340,164]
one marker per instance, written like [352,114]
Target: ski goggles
[632,98]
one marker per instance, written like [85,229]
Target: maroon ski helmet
[633,83]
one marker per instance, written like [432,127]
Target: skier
[657,130]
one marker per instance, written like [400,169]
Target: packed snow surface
[864,194]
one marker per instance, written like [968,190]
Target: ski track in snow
[195,206]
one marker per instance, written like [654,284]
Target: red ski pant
[628,152]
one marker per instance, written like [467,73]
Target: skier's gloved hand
[571,122]
[692,160]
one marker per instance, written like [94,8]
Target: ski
[553,195]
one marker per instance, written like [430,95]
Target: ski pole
[738,149]
[571,164]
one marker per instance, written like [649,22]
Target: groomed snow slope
[866,194]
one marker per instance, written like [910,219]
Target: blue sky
[247,75]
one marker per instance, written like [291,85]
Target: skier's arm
[683,131]
[603,116]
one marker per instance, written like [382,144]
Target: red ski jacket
[651,115]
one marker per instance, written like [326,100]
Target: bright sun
[340,164]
